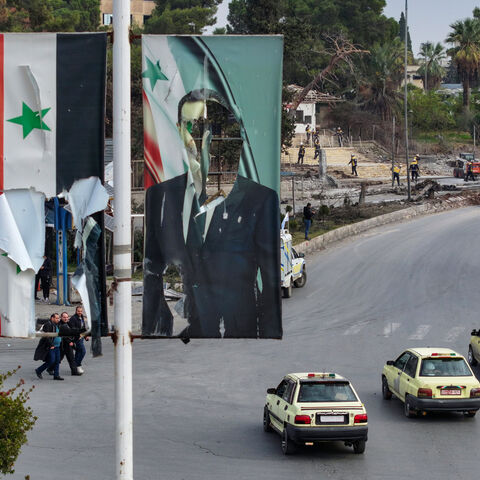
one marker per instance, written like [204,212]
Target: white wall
[308,109]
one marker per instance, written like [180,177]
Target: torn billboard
[225,247]
[52,106]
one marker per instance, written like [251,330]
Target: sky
[428,20]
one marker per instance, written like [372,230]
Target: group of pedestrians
[69,344]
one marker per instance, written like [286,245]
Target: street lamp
[405,98]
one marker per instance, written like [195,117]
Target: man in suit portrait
[226,248]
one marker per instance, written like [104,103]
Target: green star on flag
[153,73]
[30,119]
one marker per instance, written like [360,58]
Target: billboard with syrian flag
[224,245]
[52,110]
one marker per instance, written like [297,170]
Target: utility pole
[406,100]
[393,146]
[122,242]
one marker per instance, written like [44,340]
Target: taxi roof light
[446,354]
[321,375]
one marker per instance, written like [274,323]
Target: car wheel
[409,413]
[471,358]
[287,291]
[359,446]
[387,394]
[288,447]
[300,282]
[470,414]
[266,421]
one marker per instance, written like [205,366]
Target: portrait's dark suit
[231,277]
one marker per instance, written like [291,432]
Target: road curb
[339,234]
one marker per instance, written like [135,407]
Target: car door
[476,346]
[286,401]
[407,377]
[276,407]
[397,369]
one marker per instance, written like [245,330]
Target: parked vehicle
[459,171]
[474,348]
[293,268]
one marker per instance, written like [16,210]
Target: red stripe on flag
[2,102]
[153,160]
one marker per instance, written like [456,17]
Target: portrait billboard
[212,207]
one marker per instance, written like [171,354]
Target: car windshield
[444,367]
[326,392]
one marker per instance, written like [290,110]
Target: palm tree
[431,69]
[381,76]
[465,52]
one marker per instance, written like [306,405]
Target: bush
[16,419]
[430,111]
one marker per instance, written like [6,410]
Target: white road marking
[420,332]
[389,328]
[354,329]
[454,333]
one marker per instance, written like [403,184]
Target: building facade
[141,10]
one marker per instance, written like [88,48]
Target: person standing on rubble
[354,162]
[301,154]
[317,149]
[414,169]
[469,172]
[308,131]
[396,174]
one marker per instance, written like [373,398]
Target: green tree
[431,69]
[401,33]
[430,111]
[465,37]
[182,16]
[16,419]
[49,15]
[380,78]
[304,24]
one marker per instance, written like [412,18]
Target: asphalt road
[198,407]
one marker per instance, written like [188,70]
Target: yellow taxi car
[307,408]
[474,348]
[431,379]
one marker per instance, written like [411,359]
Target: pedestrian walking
[48,349]
[301,154]
[45,274]
[78,322]
[308,214]
[353,161]
[396,174]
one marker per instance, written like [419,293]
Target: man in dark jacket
[69,338]
[48,349]
[308,214]
[78,322]
[45,274]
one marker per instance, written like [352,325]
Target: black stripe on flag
[81,71]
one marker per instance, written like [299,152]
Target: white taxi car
[307,408]
[474,348]
[431,379]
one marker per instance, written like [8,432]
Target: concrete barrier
[341,233]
